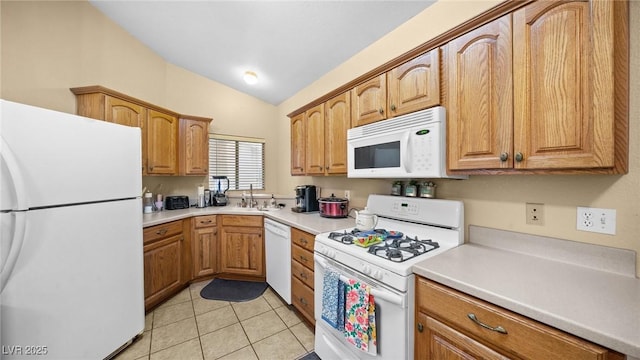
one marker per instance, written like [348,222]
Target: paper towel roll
[200,190]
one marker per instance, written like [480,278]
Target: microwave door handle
[404,148]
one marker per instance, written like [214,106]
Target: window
[241,159]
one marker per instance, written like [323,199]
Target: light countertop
[310,222]
[587,290]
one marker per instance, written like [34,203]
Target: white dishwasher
[278,257]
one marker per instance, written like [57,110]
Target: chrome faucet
[252,203]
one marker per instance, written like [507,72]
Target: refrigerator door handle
[20,217]
[14,247]
[15,174]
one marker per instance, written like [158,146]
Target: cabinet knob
[420,327]
[393,107]
[519,157]
[504,156]
[381,111]
[303,301]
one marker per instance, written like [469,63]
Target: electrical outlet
[347,194]
[535,214]
[596,220]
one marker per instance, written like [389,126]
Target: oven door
[394,318]
[383,155]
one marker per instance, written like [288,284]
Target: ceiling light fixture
[250,77]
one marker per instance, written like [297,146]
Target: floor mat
[233,290]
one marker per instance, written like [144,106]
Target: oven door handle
[377,293]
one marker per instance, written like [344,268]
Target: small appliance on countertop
[176,202]
[220,198]
[334,207]
[306,199]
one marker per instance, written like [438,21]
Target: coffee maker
[306,199]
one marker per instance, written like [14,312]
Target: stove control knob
[377,274]
[366,269]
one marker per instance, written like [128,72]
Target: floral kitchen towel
[373,336]
[358,311]
[330,297]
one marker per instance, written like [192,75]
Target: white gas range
[412,230]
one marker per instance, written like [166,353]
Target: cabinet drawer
[162,231]
[303,239]
[204,221]
[301,272]
[525,338]
[304,257]
[302,299]
[241,220]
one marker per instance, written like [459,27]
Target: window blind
[240,159]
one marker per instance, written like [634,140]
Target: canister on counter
[411,189]
[428,189]
[396,188]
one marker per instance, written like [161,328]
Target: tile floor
[188,327]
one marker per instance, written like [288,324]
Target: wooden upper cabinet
[566,58]
[124,112]
[414,85]
[194,146]
[314,140]
[337,122]
[162,143]
[369,101]
[480,105]
[297,145]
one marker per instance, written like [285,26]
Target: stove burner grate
[399,250]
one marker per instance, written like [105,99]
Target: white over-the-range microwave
[407,146]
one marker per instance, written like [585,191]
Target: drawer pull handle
[303,275]
[303,258]
[161,231]
[303,241]
[499,329]
[303,301]
[205,222]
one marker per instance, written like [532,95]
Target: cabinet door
[369,101]
[563,84]
[480,120]
[297,145]
[437,341]
[242,251]
[162,268]
[414,85]
[162,143]
[204,250]
[194,147]
[314,152]
[125,113]
[337,122]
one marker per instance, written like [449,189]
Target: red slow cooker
[334,207]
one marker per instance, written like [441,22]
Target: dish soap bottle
[273,201]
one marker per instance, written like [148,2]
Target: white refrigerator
[71,235]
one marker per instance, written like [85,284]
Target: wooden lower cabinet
[302,273]
[204,245]
[163,262]
[242,246]
[445,330]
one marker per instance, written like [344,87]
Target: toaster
[176,202]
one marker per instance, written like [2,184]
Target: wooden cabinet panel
[480,111]
[162,269]
[242,251]
[298,145]
[154,233]
[204,243]
[314,142]
[242,220]
[521,337]
[414,85]
[302,299]
[562,83]
[303,273]
[162,143]
[303,256]
[303,239]
[369,101]
[336,123]
[439,341]
[124,112]
[194,146]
